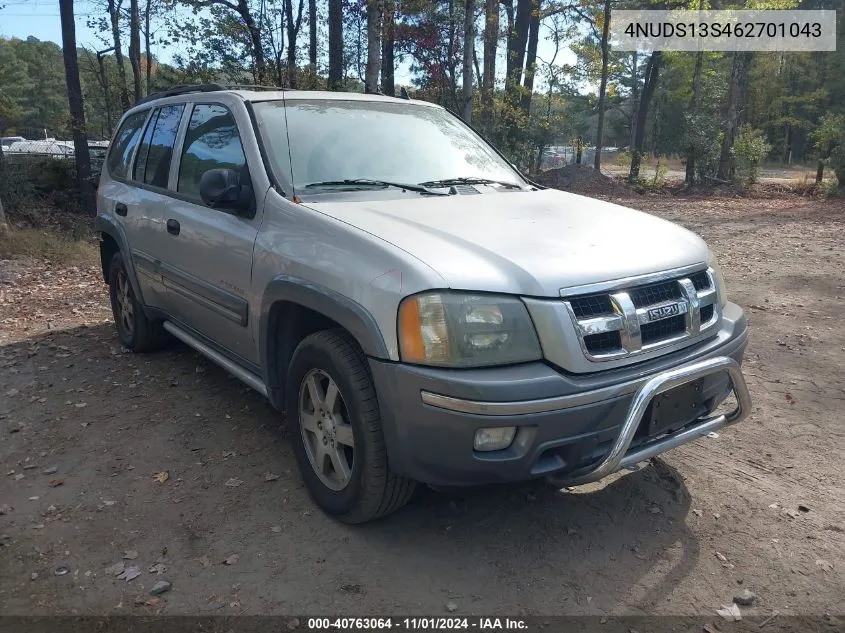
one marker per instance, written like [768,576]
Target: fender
[349,314]
[106,224]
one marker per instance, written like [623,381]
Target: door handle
[173,227]
[121,209]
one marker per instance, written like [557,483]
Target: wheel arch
[291,309]
[113,240]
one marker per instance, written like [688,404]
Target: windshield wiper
[367,182]
[470,180]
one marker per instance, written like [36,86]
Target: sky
[40,18]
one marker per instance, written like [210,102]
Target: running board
[233,368]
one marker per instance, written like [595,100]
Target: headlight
[463,330]
[721,288]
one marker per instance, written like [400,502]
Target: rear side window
[211,142]
[124,143]
[153,163]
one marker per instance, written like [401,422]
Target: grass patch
[46,244]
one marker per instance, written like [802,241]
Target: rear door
[208,268]
[130,206]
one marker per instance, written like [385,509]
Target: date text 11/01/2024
[418,624]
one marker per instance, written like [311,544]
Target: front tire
[335,427]
[134,329]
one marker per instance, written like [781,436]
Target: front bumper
[572,428]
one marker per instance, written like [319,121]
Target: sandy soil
[86,428]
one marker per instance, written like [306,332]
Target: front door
[208,268]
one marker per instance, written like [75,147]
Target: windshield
[333,141]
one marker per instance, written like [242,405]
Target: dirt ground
[86,428]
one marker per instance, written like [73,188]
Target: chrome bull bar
[620,457]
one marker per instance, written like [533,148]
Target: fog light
[494,439]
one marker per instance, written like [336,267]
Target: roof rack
[256,87]
[181,90]
[191,88]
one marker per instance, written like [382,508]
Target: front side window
[124,144]
[152,165]
[335,140]
[211,142]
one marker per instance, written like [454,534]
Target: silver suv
[419,310]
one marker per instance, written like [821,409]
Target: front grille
[655,293]
[701,280]
[604,342]
[665,328]
[590,306]
[625,321]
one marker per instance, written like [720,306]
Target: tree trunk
[77,108]
[651,74]
[491,42]
[469,50]
[517,41]
[4,225]
[388,63]
[104,84]
[255,40]
[695,106]
[312,35]
[531,57]
[135,48]
[114,17]
[293,27]
[375,8]
[787,144]
[148,69]
[605,31]
[335,44]
[635,97]
[739,75]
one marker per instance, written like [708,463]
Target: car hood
[535,243]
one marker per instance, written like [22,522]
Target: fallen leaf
[731,613]
[824,565]
[161,477]
[116,569]
[158,568]
[130,573]
[234,482]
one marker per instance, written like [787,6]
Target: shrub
[750,147]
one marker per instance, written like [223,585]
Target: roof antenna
[405,93]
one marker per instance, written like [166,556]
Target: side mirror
[222,189]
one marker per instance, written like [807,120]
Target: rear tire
[329,389]
[134,329]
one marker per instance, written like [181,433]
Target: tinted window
[124,142]
[153,163]
[212,141]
